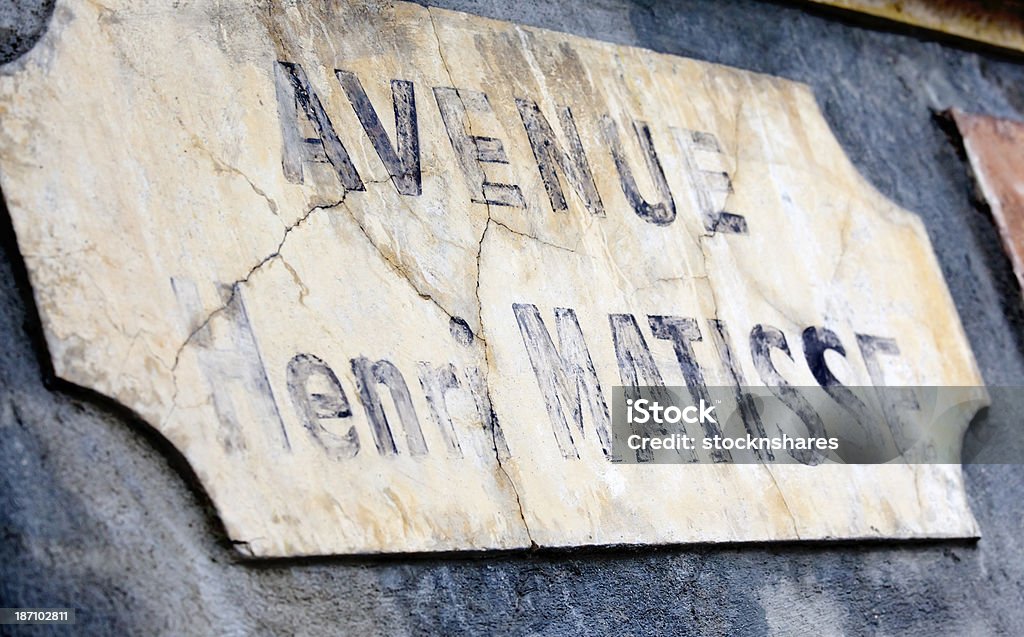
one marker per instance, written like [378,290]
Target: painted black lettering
[471,150]
[636,364]
[638,369]
[551,158]
[710,187]
[368,375]
[233,367]
[817,341]
[661,213]
[869,443]
[295,96]
[748,410]
[567,379]
[317,395]
[401,159]
[436,383]
[763,339]
[682,331]
[482,397]
[460,331]
[463,335]
[896,401]
[870,349]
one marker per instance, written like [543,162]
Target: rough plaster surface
[22,23]
[94,515]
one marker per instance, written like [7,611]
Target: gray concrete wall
[98,513]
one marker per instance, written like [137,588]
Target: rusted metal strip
[995,148]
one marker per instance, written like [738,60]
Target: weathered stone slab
[995,148]
[355,263]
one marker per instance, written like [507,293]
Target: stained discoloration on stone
[343,236]
[995,148]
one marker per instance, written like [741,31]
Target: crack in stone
[479,254]
[221,166]
[57,256]
[785,503]
[469,124]
[666,279]
[844,241]
[480,315]
[303,289]
[529,236]
[197,142]
[398,268]
[487,371]
[395,266]
[236,285]
[707,276]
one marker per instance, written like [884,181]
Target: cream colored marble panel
[321,247]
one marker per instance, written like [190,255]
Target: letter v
[402,164]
